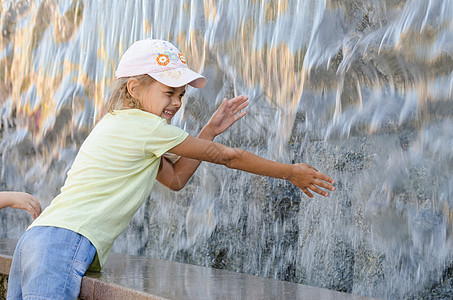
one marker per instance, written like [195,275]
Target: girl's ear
[133,87]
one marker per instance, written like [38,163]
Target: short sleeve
[163,138]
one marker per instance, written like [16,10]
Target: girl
[116,166]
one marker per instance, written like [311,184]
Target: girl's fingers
[325,178]
[237,101]
[240,107]
[33,206]
[31,210]
[307,192]
[239,98]
[323,184]
[317,190]
[240,115]
[36,206]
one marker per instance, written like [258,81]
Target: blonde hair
[120,96]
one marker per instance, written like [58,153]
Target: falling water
[360,89]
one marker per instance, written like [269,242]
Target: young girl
[22,201]
[114,171]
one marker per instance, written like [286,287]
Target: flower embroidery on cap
[163,59]
[173,57]
[182,58]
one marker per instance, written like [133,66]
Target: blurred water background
[362,90]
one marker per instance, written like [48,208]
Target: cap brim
[180,77]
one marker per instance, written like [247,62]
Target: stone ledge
[93,288]
[134,277]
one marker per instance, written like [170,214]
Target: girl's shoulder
[132,115]
[128,120]
[133,112]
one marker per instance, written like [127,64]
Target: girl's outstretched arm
[22,201]
[175,176]
[307,178]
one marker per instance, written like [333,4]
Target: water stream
[360,89]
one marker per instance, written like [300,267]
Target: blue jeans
[49,263]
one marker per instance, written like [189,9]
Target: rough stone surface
[3,285]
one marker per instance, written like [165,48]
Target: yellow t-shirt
[111,177]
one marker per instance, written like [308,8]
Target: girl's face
[162,100]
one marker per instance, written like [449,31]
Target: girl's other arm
[303,176]
[175,176]
[22,201]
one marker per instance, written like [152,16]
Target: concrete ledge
[133,277]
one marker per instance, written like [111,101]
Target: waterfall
[362,90]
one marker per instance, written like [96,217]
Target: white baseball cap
[161,60]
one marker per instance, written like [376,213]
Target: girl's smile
[169,113]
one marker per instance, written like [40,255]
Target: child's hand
[227,114]
[308,178]
[21,201]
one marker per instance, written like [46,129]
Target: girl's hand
[23,201]
[227,114]
[308,178]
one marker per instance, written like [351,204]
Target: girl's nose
[176,102]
